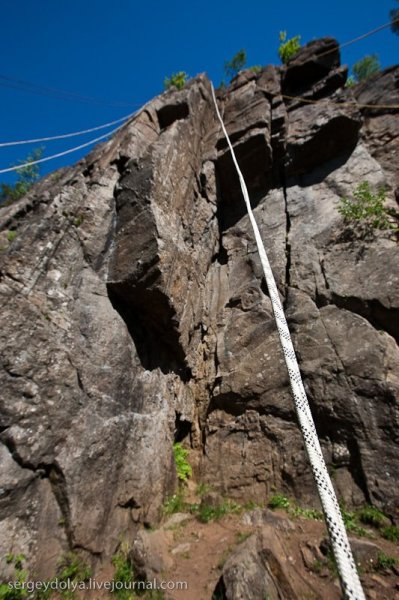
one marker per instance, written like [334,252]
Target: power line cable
[59,154]
[65,135]
[27,86]
[358,38]
[352,104]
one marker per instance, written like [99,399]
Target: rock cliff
[134,312]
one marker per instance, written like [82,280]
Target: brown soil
[210,545]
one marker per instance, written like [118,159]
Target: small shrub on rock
[288,48]
[366,207]
[177,80]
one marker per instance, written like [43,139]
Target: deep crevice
[356,468]
[182,428]
[287,240]
[152,325]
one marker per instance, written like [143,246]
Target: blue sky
[120,52]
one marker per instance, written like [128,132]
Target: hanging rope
[351,586]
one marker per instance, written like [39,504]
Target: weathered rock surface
[134,311]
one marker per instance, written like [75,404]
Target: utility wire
[33,88]
[352,104]
[26,86]
[359,38]
[59,154]
[66,135]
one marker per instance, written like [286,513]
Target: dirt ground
[199,551]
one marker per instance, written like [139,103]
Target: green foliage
[385,562]
[20,576]
[123,573]
[183,467]
[288,48]
[256,69]
[203,488]
[365,67]
[174,504]
[236,64]
[282,502]
[366,207]
[279,501]
[72,568]
[351,523]
[206,513]
[350,82]
[369,515]
[306,513]
[27,176]
[390,533]
[11,235]
[177,80]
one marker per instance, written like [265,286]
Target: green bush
[206,513]
[72,568]
[385,562]
[183,467]
[351,522]
[20,576]
[279,501]
[350,82]
[11,235]
[366,207]
[369,515]
[123,573]
[365,67]
[27,176]
[177,80]
[174,504]
[390,533]
[288,48]
[236,64]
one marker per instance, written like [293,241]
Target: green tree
[365,67]
[288,48]
[27,176]
[177,80]
[394,14]
[236,64]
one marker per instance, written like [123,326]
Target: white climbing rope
[350,582]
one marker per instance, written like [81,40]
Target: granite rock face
[134,311]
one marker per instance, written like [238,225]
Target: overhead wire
[59,154]
[20,84]
[34,88]
[353,104]
[358,38]
[65,135]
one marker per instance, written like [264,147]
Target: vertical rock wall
[134,311]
